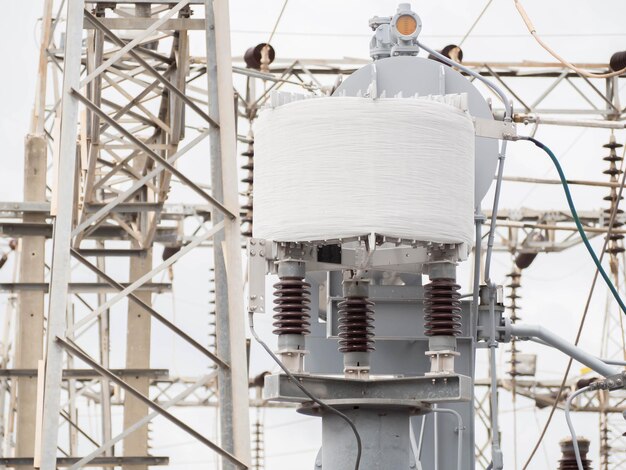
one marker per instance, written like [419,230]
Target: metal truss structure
[118,103]
[131,103]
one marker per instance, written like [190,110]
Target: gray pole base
[384,433]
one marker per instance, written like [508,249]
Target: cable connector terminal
[613,382]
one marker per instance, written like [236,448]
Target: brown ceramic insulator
[248,179]
[291,306]
[356,324]
[442,308]
[568,458]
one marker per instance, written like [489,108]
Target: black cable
[579,225]
[322,404]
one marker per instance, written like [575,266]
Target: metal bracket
[257,267]
[613,382]
[410,391]
[493,129]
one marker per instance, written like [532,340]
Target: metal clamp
[493,129]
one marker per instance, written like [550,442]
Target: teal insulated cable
[579,225]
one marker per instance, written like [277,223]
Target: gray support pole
[137,357]
[230,331]
[385,434]
[61,240]
[138,326]
[30,323]
[29,335]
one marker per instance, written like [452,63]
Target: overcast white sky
[554,287]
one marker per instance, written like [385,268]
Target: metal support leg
[233,383]
[61,241]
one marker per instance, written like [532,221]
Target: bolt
[252,253]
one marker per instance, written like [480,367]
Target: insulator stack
[514,285]
[292,298]
[248,180]
[356,324]
[258,443]
[605,443]
[614,246]
[212,319]
[568,457]
[442,308]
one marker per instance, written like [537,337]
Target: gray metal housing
[407,76]
[400,350]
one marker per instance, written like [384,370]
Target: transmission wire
[584,315]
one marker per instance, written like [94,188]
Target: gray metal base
[404,392]
[384,434]
[381,409]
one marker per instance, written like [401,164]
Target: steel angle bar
[550,88]
[201,382]
[137,103]
[150,310]
[134,23]
[144,34]
[105,461]
[72,349]
[121,165]
[134,116]
[134,101]
[256,74]
[276,85]
[311,75]
[581,93]
[600,94]
[46,449]
[165,82]
[505,85]
[156,157]
[72,424]
[148,276]
[101,213]
[134,76]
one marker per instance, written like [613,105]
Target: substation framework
[97,180]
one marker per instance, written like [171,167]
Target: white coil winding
[339,167]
